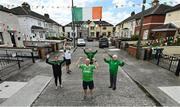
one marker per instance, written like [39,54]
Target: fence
[169,62]
[12,59]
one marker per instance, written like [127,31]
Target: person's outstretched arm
[105,60]
[85,51]
[95,52]
[47,60]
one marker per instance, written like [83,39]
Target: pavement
[139,84]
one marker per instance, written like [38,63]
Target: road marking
[115,49]
[8,88]
[173,92]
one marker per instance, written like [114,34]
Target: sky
[114,11]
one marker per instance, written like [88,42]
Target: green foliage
[134,37]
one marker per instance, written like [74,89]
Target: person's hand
[80,58]
[47,56]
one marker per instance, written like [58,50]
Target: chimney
[26,6]
[132,13]
[46,16]
[155,3]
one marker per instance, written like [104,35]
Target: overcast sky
[114,11]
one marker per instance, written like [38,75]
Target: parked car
[81,42]
[89,39]
[103,43]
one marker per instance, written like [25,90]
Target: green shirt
[113,65]
[90,55]
[87,72]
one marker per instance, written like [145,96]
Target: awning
[165,28]
[38,28]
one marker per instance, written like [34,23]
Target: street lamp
[140,31]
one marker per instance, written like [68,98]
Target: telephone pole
[138,54]
[73,25]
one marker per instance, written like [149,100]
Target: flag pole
[73,25]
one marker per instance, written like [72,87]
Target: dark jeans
[57,75]
[113,79]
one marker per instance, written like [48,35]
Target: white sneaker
[61,85]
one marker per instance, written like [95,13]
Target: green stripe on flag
[77,14]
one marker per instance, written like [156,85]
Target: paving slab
[28,94]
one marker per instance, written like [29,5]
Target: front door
[13,39]
[97,35]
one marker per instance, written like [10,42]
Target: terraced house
[153,17]
[35,26]
[10,34]
[94,29]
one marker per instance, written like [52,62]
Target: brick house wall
[149,23]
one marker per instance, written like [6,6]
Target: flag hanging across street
[85,14]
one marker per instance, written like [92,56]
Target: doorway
[12,35]
[97,35]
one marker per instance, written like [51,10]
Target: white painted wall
[10,20]
[69,29]
[26,23]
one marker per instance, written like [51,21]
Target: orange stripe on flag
[97,12]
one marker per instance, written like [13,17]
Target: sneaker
[61,85]
[114,89]
[110,87]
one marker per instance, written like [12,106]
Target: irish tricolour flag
[84,14]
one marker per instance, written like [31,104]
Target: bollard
[159,56]
[32,54]
[170,63]
[178,69]
[19,65]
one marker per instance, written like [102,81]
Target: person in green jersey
[114,64]
[87,75]
[90,54]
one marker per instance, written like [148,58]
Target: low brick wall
[132,51]
[170,50]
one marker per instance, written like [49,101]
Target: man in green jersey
[90,54]
[87,75]
[114,63]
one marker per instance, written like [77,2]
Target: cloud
[115,18]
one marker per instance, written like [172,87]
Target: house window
[1,39]
[104,28]
[92,33]
[39,23]
[68,34]
[92,28]
[104,33]
[41,35]
[109,33]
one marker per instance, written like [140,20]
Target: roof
[23,11]
[79,23]
[165,27]
[4,9]
[156,10]
[177,7]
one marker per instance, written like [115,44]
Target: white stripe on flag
[87,14]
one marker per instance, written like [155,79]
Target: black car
[89,39]
[103,43]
